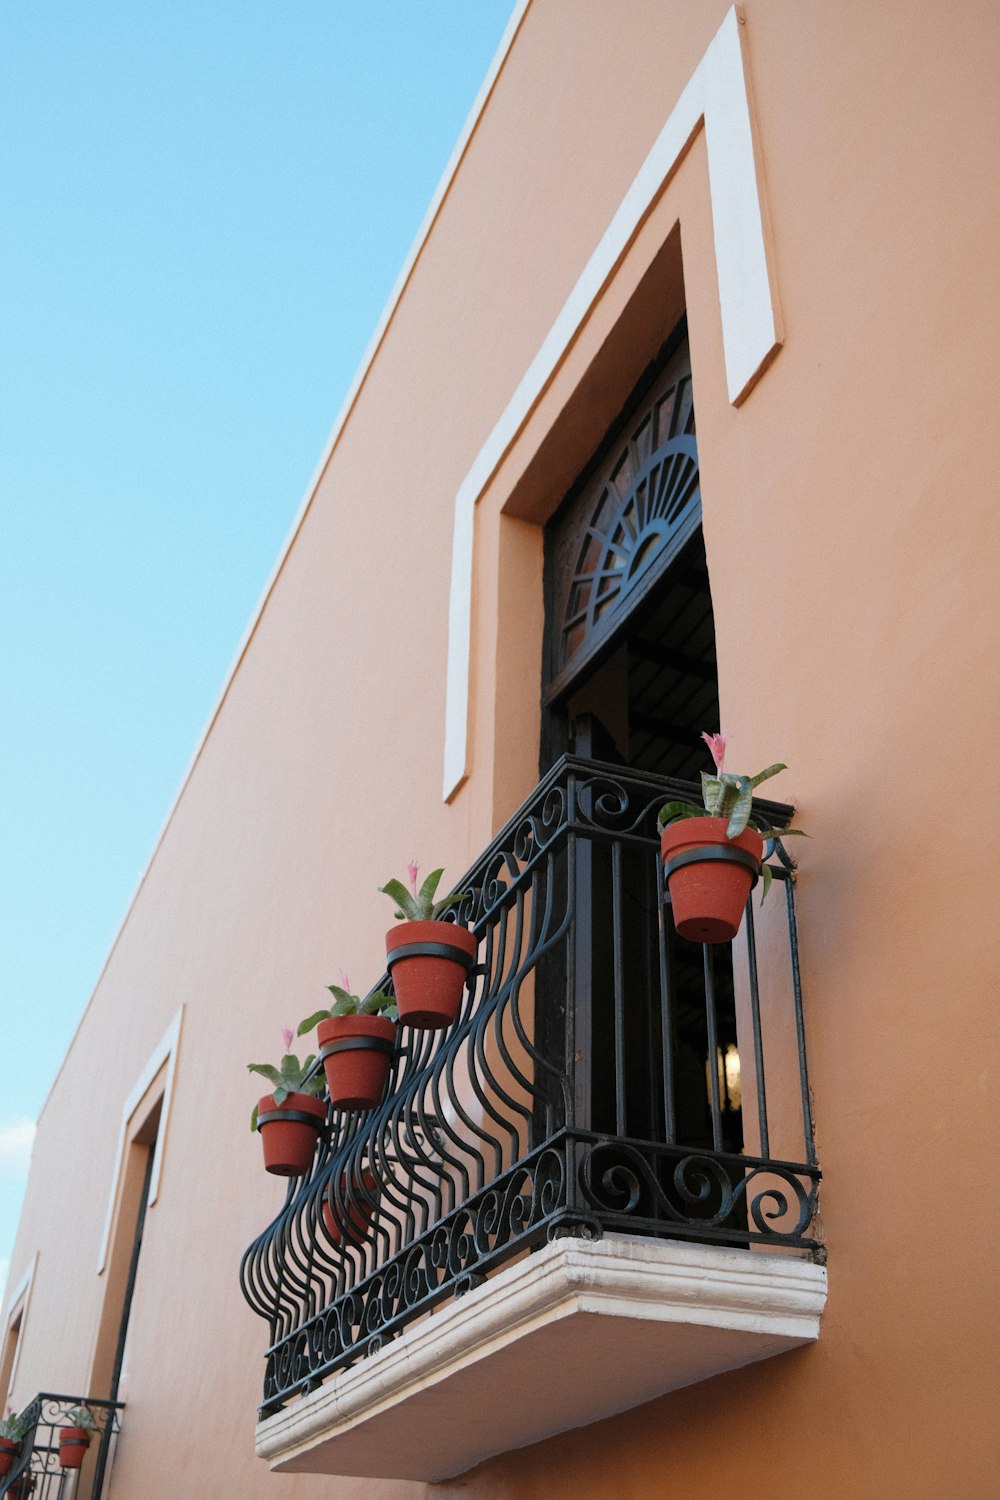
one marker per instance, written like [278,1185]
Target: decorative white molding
[17,1303]
[164,1053]
[717,96]
[577,1332]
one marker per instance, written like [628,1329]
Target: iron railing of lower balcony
[604,1074]
[36,1472]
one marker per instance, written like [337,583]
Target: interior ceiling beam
[662,729]
[667,656]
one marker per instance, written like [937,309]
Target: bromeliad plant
[357,1039]
[12,1429]
[378,1003]
[730,796]
[289,1078]
[291,1118]
[82,1417]
[428,956]
[75,1436]
[712,866]
[419,906]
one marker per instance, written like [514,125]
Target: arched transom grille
[630,520]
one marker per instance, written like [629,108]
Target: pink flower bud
[717,744]
[345,983]
[412,870]
[288,1037]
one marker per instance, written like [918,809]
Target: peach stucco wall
[851,526]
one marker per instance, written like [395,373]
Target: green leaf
[312,1021]
[766,876]
[266,1071]
[344,1004]
[672,812]
[408,910]
[253,1118]
[290,1066]
[766,775]
[281,1093]
[732,790]
[739,814]
[711,792]
[447,901]
[311,1085]
[376,1002]
[425,896]
[777,833]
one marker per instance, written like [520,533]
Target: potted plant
[356,1041]
[11,1434]
[290,1119]
[356,1207]
[74,1438]
[713,856]
[428,956]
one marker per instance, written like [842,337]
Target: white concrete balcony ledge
[579,1331]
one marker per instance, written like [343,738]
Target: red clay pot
[708,896]
[73,1445]
[356,1074]
[360,1209]
[289,1144]
[8,1453]
[429,986]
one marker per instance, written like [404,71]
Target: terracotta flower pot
[429,962]
[289,1143]
[73,1445]
[709,876]
[360,1208]
[357,1055]
[8,1453]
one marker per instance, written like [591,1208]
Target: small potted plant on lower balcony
[289,1120]
[713,856]
[429,957]
[75,1437]
[348,1218]
[357,1039]
[11,1434]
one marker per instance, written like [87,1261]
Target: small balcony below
[597,1186]
[57,1457]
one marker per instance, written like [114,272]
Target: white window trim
[164,1053]
[716,96]
[17,1303]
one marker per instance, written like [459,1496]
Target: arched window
[626,520]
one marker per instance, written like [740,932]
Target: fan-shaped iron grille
[624,527]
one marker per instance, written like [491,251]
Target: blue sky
[204,210]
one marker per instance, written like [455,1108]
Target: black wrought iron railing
[604,1075]
[37,1469]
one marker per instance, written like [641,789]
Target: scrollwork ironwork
[36,1469]
[486,1141]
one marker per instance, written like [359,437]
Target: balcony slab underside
[578,1331]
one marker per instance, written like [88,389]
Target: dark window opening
[631,679]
